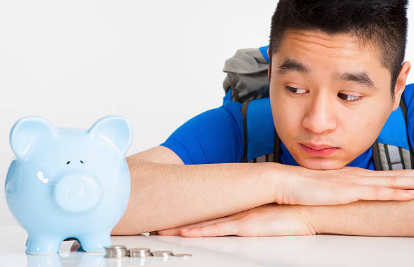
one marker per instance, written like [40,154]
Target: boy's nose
[320,116]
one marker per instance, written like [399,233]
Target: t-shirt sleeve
[408,97]
[214,136]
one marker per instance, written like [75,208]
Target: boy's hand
[299,185]
[267,220]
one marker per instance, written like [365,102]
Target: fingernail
[184,230]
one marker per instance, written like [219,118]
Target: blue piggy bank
[68,182]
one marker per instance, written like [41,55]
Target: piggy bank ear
[115,130]
[27,131]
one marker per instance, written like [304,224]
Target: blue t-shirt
[216,136]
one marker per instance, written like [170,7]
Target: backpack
[247,83]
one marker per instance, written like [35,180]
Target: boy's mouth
[318,149]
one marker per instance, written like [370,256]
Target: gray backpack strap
[246,75]
[389,157]
[376,156]
[277,149]
[392,158]
[244,113]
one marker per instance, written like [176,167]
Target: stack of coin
[163,255]
[140,253]
[116,251]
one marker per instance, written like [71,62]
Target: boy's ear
[400,84]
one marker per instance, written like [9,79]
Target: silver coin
[120,254]
[116,251]
[115,247]
[185,256]
[164,254]
[140,252]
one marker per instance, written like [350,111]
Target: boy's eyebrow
[360,77]
[289,65]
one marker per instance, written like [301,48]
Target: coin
[164,254]
[140,252]
[113,247]
[116,254]
[116,251]
[184,256]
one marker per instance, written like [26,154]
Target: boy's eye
[295,90]
[349,98]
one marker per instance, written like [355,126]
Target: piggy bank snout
[77,193]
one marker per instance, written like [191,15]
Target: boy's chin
[321,164]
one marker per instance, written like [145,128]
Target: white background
[158,63]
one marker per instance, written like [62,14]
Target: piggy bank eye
[68,162]
[81,161]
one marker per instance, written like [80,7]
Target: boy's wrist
[310,215]
[275,177]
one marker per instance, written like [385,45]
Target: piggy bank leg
[95,242]
[42,244]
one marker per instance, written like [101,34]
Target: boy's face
[330,97]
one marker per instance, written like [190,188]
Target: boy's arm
[165,193]
[370,218]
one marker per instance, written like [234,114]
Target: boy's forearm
[165,196]
[370,218]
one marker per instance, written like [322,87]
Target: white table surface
[319,250]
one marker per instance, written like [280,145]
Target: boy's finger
[384,193]
[176,231]
[216,229]
[171,231]
[398,182]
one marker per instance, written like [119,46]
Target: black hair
[382,23]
